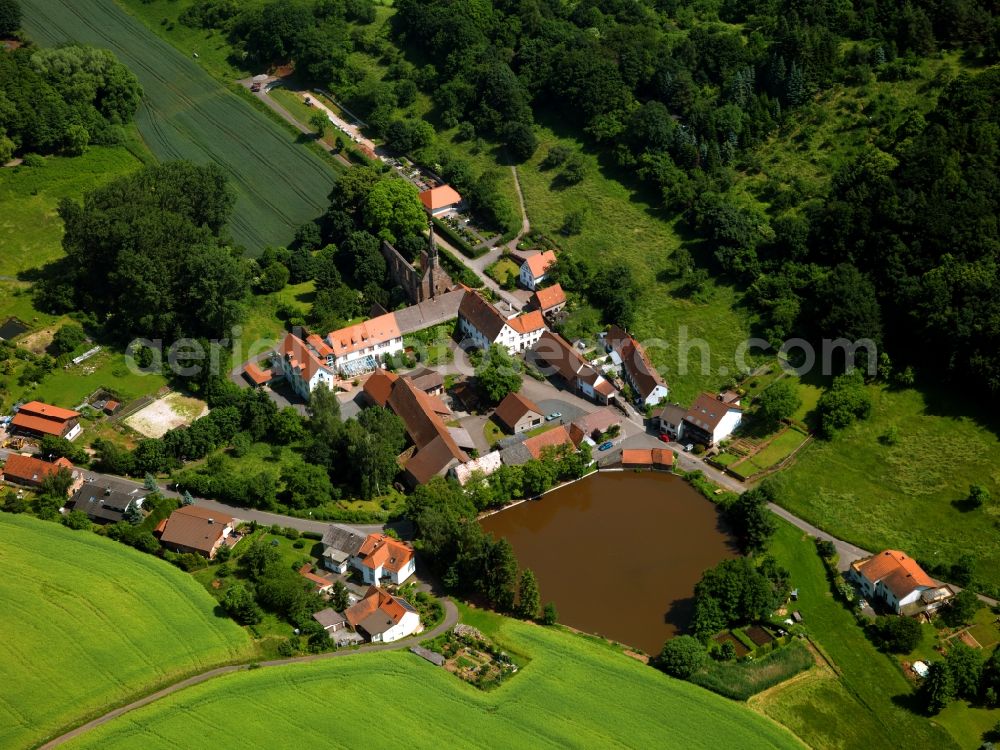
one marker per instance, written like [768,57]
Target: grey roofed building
[516,454]
[330,619]
[429,381]
[340,544]
[107,501]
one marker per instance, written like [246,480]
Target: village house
[320,584]
[556,356]
[382,618]
[549,300]
[484,325]
[198,530]
[340,546]
[897,581]
[382,557]
[711,419]
[648,385]
[28,471]
[358,348]
[486,465]
[440,200]
[535,268]
[107,500]
[301,366]
[595,425]
[668,419]
[534,448]
[518,414]
[35,419]
[435,449]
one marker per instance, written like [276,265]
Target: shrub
[682,656]
[897,635]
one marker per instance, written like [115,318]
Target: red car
[664,437]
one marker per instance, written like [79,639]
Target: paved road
[244,514]
[450,619]
[288,117]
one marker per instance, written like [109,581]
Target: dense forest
[61,100]
[680,96]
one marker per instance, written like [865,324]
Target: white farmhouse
[302,367]
[382,617]
[535,269]
[899,582]
[483,325]
[710,419]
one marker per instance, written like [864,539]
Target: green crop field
[901,496]
[88,623]
[187,115]
[574,692]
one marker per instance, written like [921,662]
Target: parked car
[606,446]
[553,415]
[664,437]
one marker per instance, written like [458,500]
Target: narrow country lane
[450,619]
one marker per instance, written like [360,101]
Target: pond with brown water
[619,552]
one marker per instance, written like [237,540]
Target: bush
[897,635]
[682,656]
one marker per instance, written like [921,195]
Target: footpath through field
[186,114]
[450,619]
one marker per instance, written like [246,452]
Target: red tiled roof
[378,386]
[513,407]
[362,335]
[321,583]
[38,424]
[539,264]
[555,437]
[528,322]
[550,297]
[30,469]
[647,457]
[256,375]
[637,366]
[319,345]
[195,528]
[899,573]
[421,415]
[300,357]
[38,409]
[481,315]
[376,600]
[439,197]
[379,550]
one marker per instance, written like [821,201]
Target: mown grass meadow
[901,495]
[88,623]
[575,692]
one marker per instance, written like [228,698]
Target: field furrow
[188,115]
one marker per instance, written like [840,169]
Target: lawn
[575,692]
[773,453]
[627,226]
[503,270]
[867,705]
[279,184]
[900,496]
[89,623]
[30,229]
[741,680]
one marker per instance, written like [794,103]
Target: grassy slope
[30,229]
[188,115]
[88,622]
[575,692]
[626,226]
[863,709]
[901,496]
